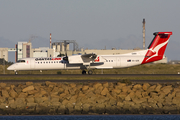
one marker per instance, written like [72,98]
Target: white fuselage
[105,62]
[154,52]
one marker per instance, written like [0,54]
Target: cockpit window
[21,61]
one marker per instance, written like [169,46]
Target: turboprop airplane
[92,61]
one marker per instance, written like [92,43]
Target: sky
[94,24]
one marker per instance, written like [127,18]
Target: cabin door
[118,61]
[32,63]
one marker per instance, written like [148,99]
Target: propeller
[94,56]
[66,57]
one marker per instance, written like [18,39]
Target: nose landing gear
[15,72]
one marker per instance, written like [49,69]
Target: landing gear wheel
[83,72]
[90,72]
[16,73]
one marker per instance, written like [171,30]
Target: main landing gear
[90,72]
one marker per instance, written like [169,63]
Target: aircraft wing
[83,59]
[89,57]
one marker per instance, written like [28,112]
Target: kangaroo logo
[97,59]
[155,52]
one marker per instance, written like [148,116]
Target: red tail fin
[157,47]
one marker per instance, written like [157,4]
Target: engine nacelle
[75,59]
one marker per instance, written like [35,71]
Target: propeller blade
[65,58]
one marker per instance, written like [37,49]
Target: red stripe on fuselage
[56,58]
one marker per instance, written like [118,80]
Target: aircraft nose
[10,67]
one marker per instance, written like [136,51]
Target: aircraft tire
[90,72]
[83,72]
[16,73]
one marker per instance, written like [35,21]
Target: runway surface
[80,75]
[14,78]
